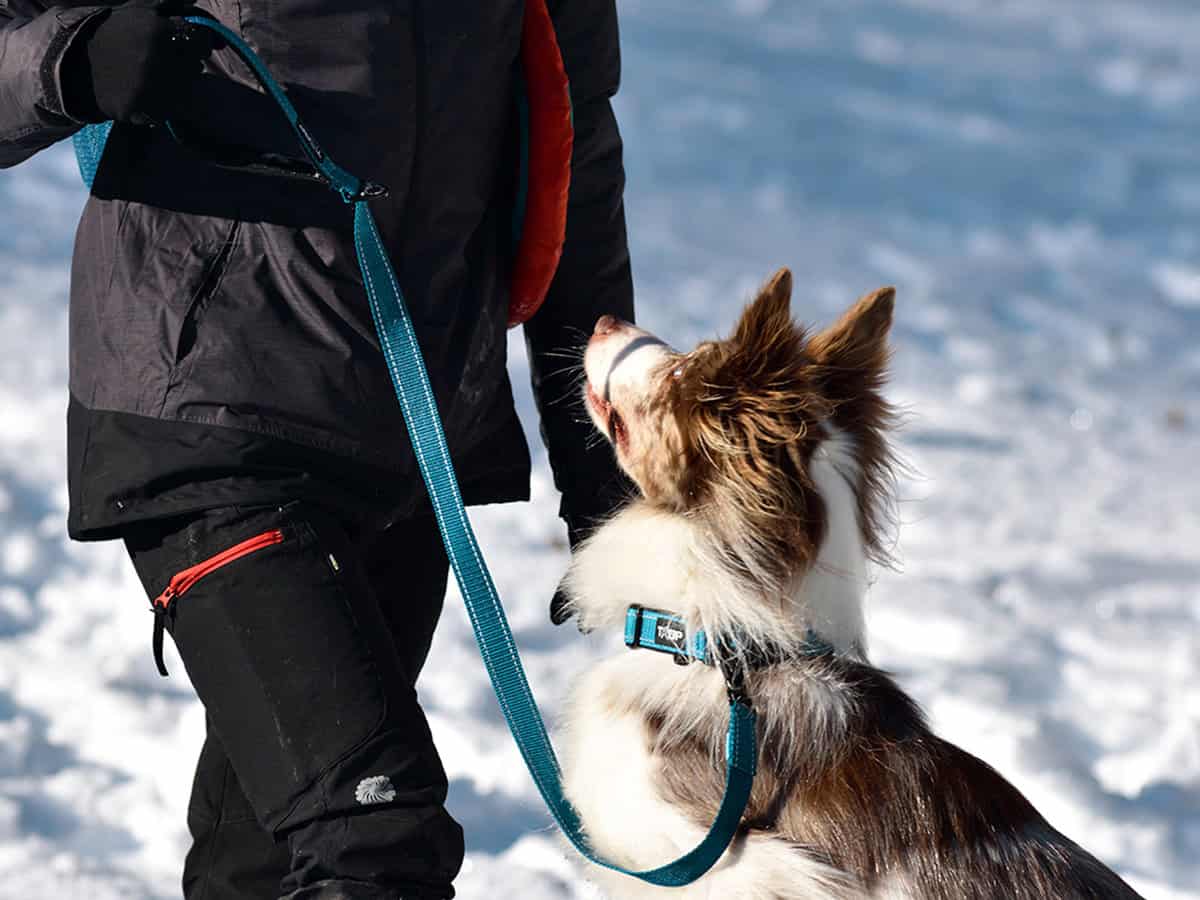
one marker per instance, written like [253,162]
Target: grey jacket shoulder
[33,41]
[218,324]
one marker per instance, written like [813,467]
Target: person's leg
[232,857]
[408,569]
[294,659]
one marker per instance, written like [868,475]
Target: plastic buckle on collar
[633,626]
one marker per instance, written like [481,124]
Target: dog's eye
[677,372]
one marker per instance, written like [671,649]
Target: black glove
[135,64]
[560,607]
[584,512]
[579,529]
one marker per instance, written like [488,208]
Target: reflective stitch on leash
[488,621]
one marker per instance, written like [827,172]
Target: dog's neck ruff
[666,632]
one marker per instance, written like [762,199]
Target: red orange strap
[550,143]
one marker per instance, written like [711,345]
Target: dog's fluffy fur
[765,476]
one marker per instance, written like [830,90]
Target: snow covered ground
[1024,171]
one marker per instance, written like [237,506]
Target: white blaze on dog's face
[627,369]
[726,433]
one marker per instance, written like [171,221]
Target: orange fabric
[551,140]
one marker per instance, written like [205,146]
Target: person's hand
[135,65]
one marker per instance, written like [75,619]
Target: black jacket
[221,347]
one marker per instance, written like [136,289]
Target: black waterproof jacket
[221,346]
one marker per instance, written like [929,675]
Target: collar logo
[668,633]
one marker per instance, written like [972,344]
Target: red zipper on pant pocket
[184,580]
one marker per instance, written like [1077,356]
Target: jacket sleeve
[34,39]
[593,276]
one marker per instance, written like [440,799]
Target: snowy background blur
[1025,171]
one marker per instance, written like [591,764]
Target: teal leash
[492,632]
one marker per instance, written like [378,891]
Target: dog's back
[873,792]
[944,824]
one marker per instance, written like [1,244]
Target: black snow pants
[304,638]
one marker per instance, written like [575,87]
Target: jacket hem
[159,468]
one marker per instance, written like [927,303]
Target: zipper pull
[160,613]
[160,608]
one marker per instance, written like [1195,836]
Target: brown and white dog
[765,480]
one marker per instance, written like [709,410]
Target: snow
[1024,173]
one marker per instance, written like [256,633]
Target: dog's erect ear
[770,314]
[858,340]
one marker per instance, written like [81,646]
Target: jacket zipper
[183,581]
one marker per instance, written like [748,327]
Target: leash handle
[493,634]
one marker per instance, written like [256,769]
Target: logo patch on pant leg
[376,789]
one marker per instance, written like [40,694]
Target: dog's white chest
[609,777]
